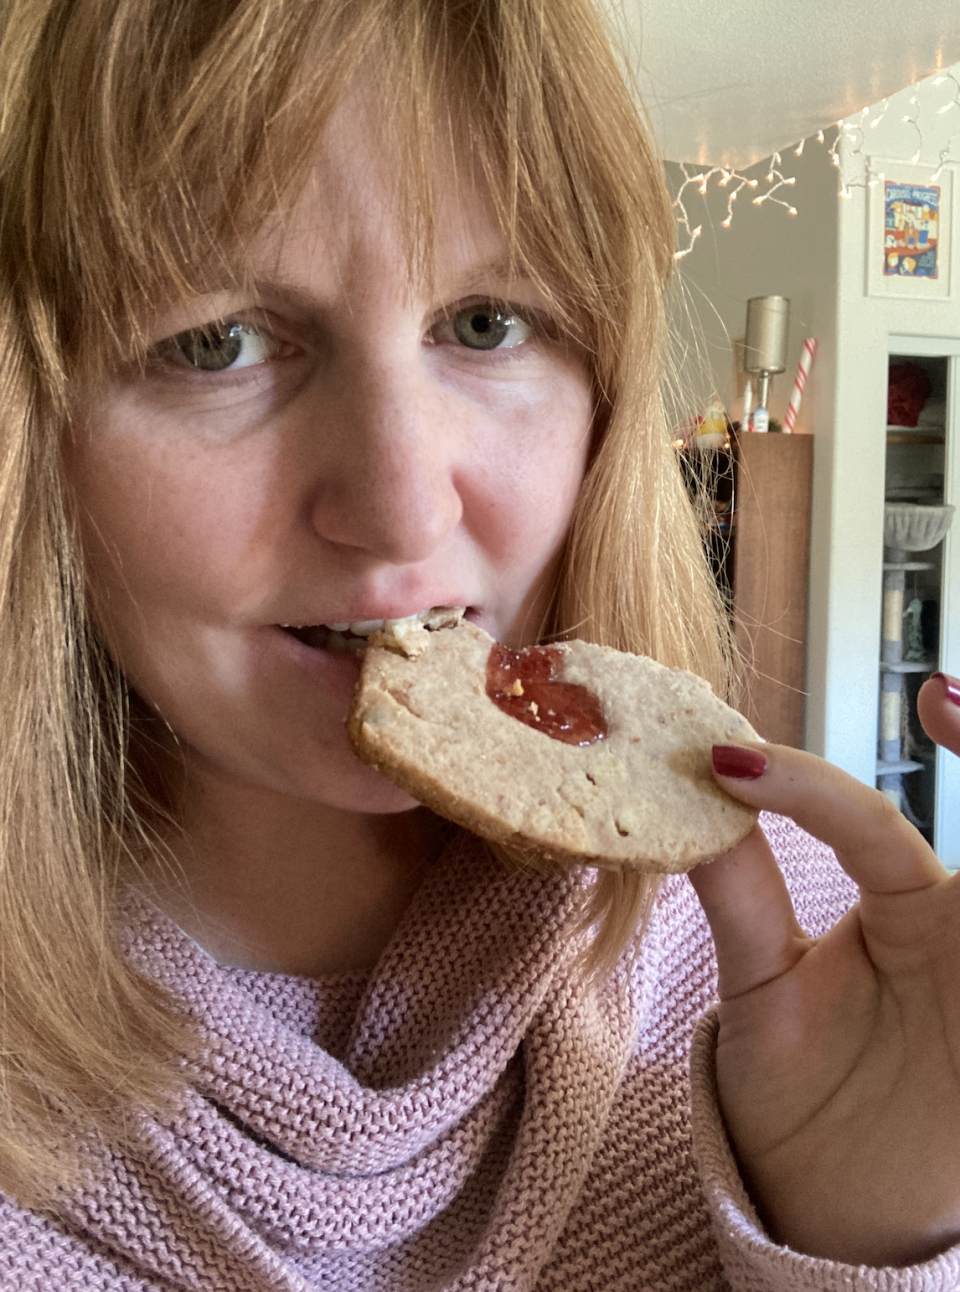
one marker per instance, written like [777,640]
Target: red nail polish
[950,685]
[744,764]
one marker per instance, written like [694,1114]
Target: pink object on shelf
[806,361]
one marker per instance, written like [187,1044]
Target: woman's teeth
[336,637]
[360,627]
[351,637]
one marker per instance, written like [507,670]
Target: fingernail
[733,760]
[950,685]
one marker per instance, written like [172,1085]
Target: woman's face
[349,447]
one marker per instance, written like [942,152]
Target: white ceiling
[731,81]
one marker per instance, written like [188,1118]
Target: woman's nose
[388,484]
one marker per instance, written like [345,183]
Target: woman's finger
[747,905]
[938,706]
[875,843]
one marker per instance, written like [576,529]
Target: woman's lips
[334,671]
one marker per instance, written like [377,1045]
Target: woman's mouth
[353,637]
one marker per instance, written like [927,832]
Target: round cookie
[642,796]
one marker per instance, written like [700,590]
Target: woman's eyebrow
[497,275]
[288,295]
[499,271]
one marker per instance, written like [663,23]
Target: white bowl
[914,528]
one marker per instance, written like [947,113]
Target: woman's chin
[337,779]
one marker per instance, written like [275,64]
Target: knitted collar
[443,1148]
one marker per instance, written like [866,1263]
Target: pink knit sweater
[468,1118]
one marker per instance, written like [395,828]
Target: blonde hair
[140,141]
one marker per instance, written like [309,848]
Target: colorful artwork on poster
[911,230]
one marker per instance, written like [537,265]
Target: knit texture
[469,1117]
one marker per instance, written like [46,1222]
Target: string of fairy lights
[848,149]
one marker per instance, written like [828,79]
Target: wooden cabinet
[769,567]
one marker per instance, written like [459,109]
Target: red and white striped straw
[806,360]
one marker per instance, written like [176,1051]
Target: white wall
[765,251]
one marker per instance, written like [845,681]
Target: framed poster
[909,227]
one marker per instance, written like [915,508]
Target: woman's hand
[839,1058]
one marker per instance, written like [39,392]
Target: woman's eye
[219,347]
[483,327]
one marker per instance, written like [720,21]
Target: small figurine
[712,432]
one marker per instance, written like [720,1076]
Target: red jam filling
[523,683]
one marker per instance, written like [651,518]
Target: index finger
[938,706]
[876,845]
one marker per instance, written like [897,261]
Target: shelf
[909,565]
[908,666]
[911,437]
[926,428]
[929,495]
[897,769]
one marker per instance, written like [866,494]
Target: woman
[317,314]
